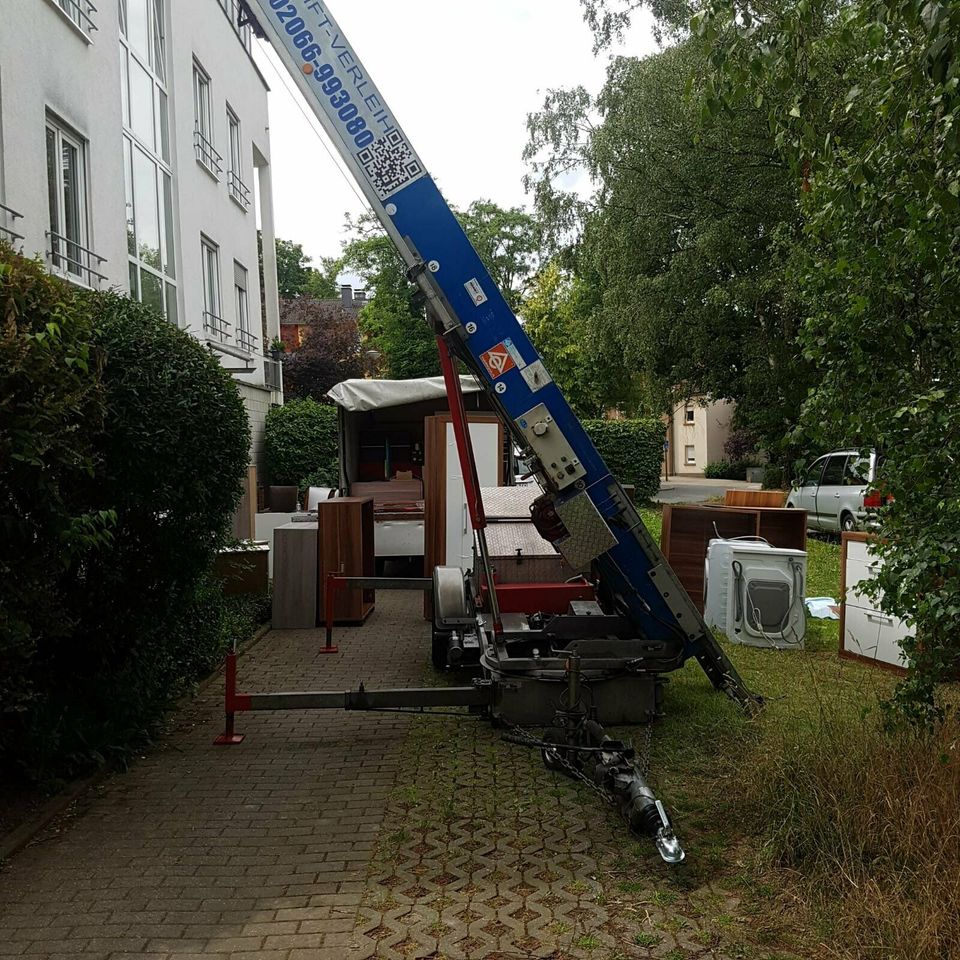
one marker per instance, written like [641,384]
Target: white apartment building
[135,154]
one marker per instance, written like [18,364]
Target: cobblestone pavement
[334,835]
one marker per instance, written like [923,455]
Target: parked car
[832,490]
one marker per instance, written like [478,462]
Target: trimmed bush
[302,445]
[632,449]
[51,411]
[774,477]
[727,470]
[123,446]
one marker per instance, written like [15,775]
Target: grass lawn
[809,831]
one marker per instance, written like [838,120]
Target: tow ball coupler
[577,745]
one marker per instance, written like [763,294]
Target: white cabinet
[485,438]
[866,632]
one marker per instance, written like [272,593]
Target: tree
[393,322]
[509,244]
[608,19]
[558,316]
[880,271]
[329,354]
[688,232]
[295,276]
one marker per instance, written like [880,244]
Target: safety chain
[518,734]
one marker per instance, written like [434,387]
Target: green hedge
[122,447]
[729,470]
[632,449]
[302,445]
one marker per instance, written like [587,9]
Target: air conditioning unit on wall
[754,593]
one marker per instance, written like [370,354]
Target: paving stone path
[335,836]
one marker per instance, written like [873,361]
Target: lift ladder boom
[584,511]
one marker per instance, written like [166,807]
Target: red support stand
[333,581]
[229,737]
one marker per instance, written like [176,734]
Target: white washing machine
[754,593]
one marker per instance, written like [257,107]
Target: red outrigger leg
[468,467]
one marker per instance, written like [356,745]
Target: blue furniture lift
[600,662]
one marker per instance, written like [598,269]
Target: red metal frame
[234,703]
[541,597]
[333,584]
[461,432]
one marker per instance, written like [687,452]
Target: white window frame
[215,327]
[76,261]
[153,62]
[239,191]
[689,415]
[690,455]
[246,339]
[206,152]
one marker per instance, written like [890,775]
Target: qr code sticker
[389,164]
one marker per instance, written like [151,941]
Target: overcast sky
[460,76]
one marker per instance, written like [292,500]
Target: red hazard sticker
[498,360]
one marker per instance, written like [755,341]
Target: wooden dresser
[345,546]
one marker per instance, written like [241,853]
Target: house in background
[135,155]
[696,433]
[293,329]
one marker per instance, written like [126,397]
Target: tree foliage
[508,242]
[295,275]
[302,445]
[880,274]
[329,354]
[688,232]
[559,316]
[609,19]
[51,410]
[122,444]
[393,323]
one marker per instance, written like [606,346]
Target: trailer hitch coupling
[576,738]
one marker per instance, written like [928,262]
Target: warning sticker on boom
[502,358]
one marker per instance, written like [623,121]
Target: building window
[239,191]
[141,26]
[207,156]
[690,455]
[245,339]
[80,12]
[148,176]
[689,415]
[213,323]
[68,235]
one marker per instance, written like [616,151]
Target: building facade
[696,433]
[135,155]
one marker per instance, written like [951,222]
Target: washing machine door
[768,603]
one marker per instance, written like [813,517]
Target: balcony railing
[74,261]
[238,20]
[238,190]
[206,154]
[9,232]
[216,328]
[80,12]
[247,340]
